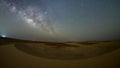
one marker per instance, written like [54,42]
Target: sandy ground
[13,57]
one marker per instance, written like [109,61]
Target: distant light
[3,36]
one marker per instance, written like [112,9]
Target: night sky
[60,20]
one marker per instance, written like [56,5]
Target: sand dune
[64,52]
[29,54]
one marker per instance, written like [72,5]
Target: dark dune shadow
[2,43]
[88,43]
[64,53]
[58,45]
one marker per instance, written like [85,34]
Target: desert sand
[16,53]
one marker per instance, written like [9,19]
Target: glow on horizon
[3,35]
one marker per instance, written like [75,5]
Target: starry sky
[60,20]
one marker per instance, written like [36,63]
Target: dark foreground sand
[20,54]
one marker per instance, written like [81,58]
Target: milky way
[32,15]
